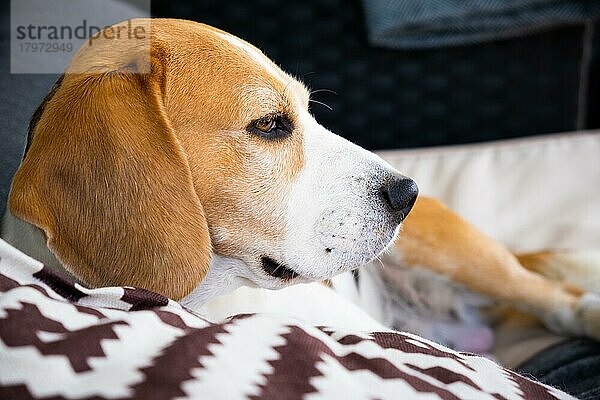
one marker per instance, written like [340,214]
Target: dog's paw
[588,312]
[581,320]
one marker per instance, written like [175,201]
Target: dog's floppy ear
[106,179]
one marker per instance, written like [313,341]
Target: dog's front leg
[436,238]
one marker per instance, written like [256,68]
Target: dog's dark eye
[265,125]
[271,126]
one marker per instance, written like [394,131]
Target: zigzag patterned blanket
[60,340]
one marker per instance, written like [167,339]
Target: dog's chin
[274,270]
[229,273]
[272,273]
[328,262]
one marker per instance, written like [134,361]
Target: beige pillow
[529,194]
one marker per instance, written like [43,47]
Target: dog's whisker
[375,256]
[321,103]
[381,264]
[323,90]
[307,73]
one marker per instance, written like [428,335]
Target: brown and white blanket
[61,340]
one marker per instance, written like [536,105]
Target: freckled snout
[400,194]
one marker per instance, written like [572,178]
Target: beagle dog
[196,168]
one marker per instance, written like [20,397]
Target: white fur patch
[224,276]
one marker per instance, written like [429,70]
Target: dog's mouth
[276,269]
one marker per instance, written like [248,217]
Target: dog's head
[139,178]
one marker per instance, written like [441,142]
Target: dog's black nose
[400,194]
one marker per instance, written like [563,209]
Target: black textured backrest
[394,99]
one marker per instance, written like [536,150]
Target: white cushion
[529,194]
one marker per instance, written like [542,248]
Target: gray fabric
[572,366]
[19,97]
[414,24]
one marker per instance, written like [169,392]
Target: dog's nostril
[400,194]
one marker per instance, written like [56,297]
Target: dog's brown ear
[106,179]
